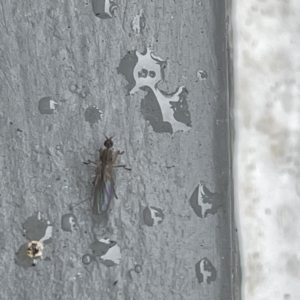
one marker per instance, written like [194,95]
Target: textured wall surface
[67,78]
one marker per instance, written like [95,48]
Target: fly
[103,184]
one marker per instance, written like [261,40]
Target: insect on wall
[104,184]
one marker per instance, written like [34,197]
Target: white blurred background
[267,149]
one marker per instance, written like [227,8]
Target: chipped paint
[172,109]
[104,9]
[148,70]
[36,228]
[202,75]
[153,216]
[48,234]
[47,106]
[93,114]
[205,271]
[144,71]
[69,222]
[113,256]
[107,250]
[204,202]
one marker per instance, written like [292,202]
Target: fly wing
[103,192]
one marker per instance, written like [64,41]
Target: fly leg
[89,162]
[122,166]
[115,156]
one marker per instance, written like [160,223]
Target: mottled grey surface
[61,51]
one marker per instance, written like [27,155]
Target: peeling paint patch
[202,75]
[204,202]
[47,106]
[142,69]
[149,70]
[104,9]
[153,216]
[205,271]
[93,114]
[69,222]
[166,112]
[37,229]
[108,251]
[138,23]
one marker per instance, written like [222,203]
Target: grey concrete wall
[67,79]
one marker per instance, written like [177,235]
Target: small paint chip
[205,271]
[47,106]
[166,112]
[93,114]
[104,9]
[69,222]
[205,202]
[202,75]
[153,216]
[108,251]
